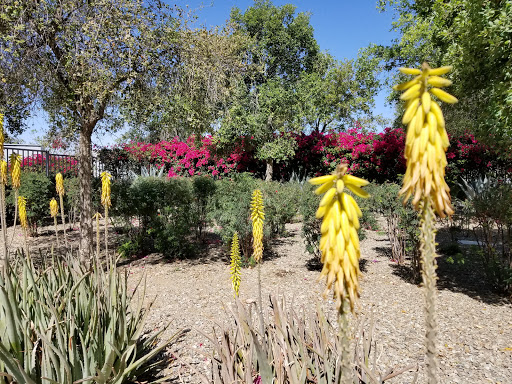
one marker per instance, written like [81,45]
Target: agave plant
[65,324]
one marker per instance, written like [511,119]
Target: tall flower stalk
[257,217]
[106,202]
[59,186]
[15,160]
[54,212]
[339,245]
[425,151]
[97,217]
[3,181]
[236,264]
[22,206]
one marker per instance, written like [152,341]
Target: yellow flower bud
[3,172]
[22,207]
[15,170]
[54,208]
[59,184]
[257,217]
[105,189]
[236,264]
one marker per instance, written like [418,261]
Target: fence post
[47,155]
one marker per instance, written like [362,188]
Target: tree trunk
[270,170]
[85,178]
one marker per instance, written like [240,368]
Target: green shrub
[65,324]
[281,204]
[203,190]
[229,209]
[38,189]
[161,209]
[401,222]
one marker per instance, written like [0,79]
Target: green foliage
[160,210]
[310,224]
[281,204]
[456,32]
[491,209]
[229,209]
[203,189]
[401,221]
[64,323]
[38,189]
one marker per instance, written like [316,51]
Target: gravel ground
[475,325]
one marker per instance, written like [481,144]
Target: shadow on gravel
[315,265]
[467,278]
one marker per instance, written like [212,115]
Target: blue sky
[341,27]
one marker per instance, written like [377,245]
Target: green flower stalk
[54,212]
[106,202]
[97,216]
[339,245]
[236,264]
[59,186]
[425,151]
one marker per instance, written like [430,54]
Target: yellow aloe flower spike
[257,217]
[105,189]
[59,184]
[426,139]
[15,170]
[339,243]
[22,206]
[236,264]
[54,208]
[3,172]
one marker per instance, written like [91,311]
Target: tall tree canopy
[474,36]
[78,59]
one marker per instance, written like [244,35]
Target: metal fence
[34,158]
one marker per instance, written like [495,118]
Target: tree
[81,58]
[472,35]
[336,94]
[211,62]
[281,49]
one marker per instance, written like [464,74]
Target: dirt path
[475,330]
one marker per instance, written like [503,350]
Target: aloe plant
[64,324]
[296,349]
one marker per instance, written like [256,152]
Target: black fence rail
[34,158]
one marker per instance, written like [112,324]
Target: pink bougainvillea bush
[56,163]
[374,156]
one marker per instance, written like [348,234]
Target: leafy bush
[74,325]
[38,189]
[203,190]
[401,221]
[161,210]
[229,208]
[281,204]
